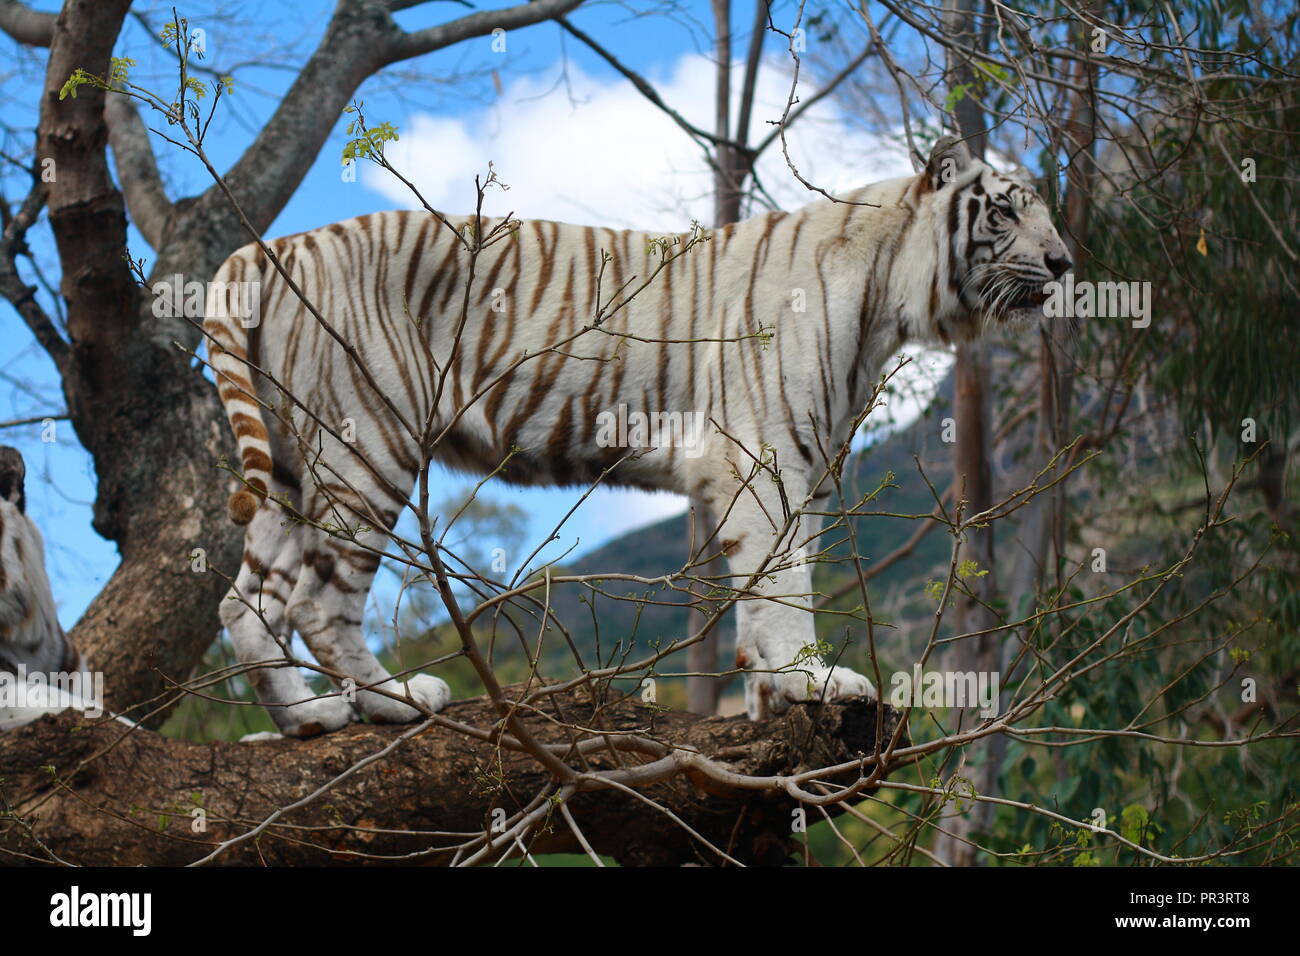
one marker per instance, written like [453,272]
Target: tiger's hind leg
[326,609]
[254,614]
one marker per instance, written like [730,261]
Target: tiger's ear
[13,472]
[1022,175]
[948,159]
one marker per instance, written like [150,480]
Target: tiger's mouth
[1008,296]
[1032,298]
[1018,300]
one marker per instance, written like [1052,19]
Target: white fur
[32,642]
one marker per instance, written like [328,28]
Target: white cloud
[602,155]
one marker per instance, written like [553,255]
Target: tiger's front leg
[776,641]
[776,645]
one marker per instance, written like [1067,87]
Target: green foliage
[366,142]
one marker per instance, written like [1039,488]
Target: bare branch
[18,293]
[26,25]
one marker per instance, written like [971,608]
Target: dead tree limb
[98,793]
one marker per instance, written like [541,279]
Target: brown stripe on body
[867,313]
[824,371]
[393,342]
[366,223]
[727,232]
[722,374]
[547,257]
[616,264]
[453,287]
[590,399]
[827,332]
[414,259]
[784,395]
[482,370]
[765,240]
[619,370]
[593,265]
[487,367]
[794,239]
[490,282]
[559,444]
[424,314]
[752,346]
[664,326]
[389,430]
[721,318]
[849,210]
[496,396]
[690,330]
[569,307]
[549,367]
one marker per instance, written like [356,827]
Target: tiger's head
[13,474]
[1001,245]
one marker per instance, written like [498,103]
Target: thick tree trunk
[703,692]
[159,495]
[102,794]
[972,472]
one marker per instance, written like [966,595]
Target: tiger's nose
[1057,265]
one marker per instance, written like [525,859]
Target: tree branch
[356,44]
[19,294]
[475,25]
[811,101]
[120,796]
[25,24]
[701,136]
[753,59]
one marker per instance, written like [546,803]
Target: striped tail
[233,307]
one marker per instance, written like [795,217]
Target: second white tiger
[940,256]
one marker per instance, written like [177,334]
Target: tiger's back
[713,330]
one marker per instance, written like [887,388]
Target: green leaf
[956,95]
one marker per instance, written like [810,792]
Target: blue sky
[572,138]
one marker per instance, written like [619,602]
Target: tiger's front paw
[429,693]
[771,694]
[312,717]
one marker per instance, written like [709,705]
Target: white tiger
[943,255]
[41,671]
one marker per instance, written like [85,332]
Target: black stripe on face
[953,226]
